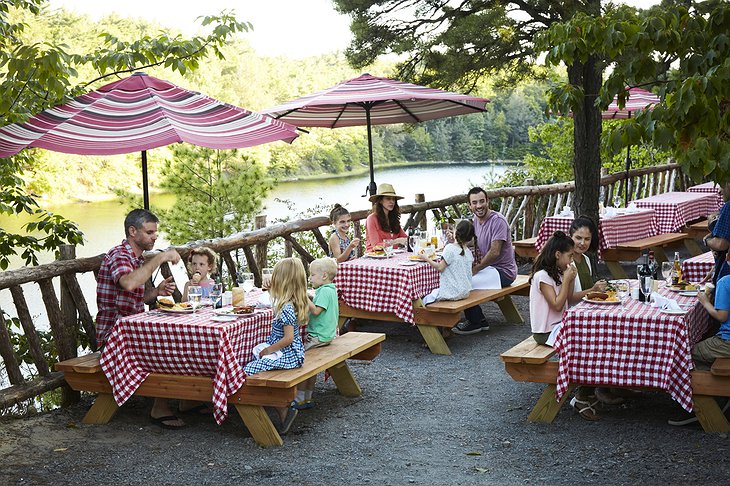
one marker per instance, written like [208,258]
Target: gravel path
[422,419]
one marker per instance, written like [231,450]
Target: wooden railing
[524,207]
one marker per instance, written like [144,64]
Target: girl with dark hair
[551,285]
[454,266]
[383,222]
[342,248]
[585,238]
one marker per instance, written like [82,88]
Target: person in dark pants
[493,249]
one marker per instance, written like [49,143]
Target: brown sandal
[585,409]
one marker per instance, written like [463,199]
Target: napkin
[264,300]
[487,278]
[273,356]
[664,302]
[632,207]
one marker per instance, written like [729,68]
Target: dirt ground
[422,419]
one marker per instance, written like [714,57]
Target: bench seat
[275,388]
[526,248]
[530,362]
[632,250]
[697,230]
[445,314]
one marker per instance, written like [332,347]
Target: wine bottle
[654,267]
[677,272]
[644,272]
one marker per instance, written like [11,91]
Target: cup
[227,298]
[635,293]
[238,296]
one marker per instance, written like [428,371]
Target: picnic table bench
[276,388]
[446,313]
[632,250]
[526,248]
[530,362]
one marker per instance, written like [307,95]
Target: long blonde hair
[289,285]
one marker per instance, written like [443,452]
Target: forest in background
[254,82]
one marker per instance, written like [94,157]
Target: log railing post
[261,248]
[529,211]
[422,220]
[68,307]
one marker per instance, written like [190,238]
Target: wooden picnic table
[675,210]
[612,229]
[696,268]
[710,187]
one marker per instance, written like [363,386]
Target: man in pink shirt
[493,249]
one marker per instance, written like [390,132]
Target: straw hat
[385,190]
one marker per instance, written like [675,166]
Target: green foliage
[217,193]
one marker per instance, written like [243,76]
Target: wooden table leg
[547,407]
[102,410]
[509,311]
[616,270]
[434,339]
[259,424]
[692,246]
[344,380]
[659,255]
[709,414]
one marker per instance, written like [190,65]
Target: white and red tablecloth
[675,209]
[710,187]
[612,230]
[183,344]
[630,345]
[696,268]
[385,285]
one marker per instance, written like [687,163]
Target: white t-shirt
[455,280]
[542,316]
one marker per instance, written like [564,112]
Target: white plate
[673,312]
[228,318]
[398,251]
[605,302]
[689,293]
[176,311]
[409,263]
[374,255]
[224,311]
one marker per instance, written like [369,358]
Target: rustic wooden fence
[68,316]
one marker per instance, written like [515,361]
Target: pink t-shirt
[494,228]
[542,316]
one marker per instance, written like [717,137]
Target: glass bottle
[677,272]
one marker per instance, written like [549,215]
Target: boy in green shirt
[324,312]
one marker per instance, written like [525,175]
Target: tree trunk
[587,138]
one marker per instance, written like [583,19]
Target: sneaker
[684,418]
[465,327]
[291,414]
[304,404]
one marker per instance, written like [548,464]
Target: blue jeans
[475,314]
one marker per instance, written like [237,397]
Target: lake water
[102,222]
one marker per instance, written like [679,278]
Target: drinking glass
[216,292]
[646,284]
[667,269]
[622,289]
[413,240]
[617,201]
[194,295]
[388,248]
[247,282]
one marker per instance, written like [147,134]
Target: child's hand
[265,282]
[265,351]
[570,273]
[355,242]
[702,297]
[197,277]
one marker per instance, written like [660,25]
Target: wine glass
[195,292]
[617,201]
[215,294]
[413,240]
[388,248]
[622,288]
[667,269]
[646,284]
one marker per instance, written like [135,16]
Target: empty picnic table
[711,187]
[696,268]
[612,230]
[674,210]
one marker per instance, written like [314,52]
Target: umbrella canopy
[638,99]
[370,100]
[139,113]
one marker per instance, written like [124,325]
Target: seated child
[324,312]
[454,266]
[202,264]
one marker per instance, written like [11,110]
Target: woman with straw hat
[383,222]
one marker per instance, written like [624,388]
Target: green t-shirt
[324,326]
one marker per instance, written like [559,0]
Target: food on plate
[166,302]
[378,250]
[243,309]
[683,285]
[609,296]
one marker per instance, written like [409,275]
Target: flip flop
[585,409]
[160,421]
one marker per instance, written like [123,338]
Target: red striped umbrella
[139,113]
[369,100]
[638,99]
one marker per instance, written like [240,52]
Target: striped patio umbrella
[638,99]
[369,100]
[139,113]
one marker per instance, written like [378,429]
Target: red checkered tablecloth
[675,209]
[385,285]
[696,268]
[183,344]
[706,187]
[612,230]
[630,345]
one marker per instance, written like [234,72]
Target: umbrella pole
[372,188]
[145,191]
